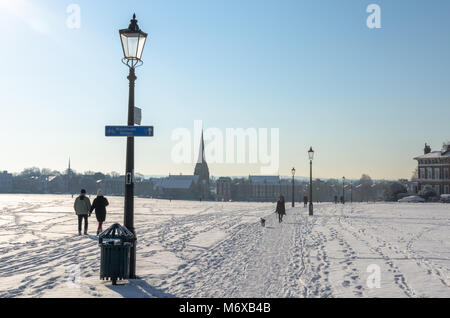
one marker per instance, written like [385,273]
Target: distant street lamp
[351,191]
[133,42]
[293,187]
[343,190]
[311,157]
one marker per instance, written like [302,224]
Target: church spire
[202,171]
[201,151]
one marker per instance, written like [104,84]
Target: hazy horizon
[211,176]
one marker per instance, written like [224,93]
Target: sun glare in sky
[26,12]
[13,5]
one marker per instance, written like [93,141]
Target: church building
[187,187]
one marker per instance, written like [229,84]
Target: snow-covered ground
[214,249]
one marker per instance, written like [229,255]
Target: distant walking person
[82,207]
[99,205]
[305,201]
[281,208]
[335,199]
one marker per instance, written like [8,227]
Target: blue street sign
[129,131]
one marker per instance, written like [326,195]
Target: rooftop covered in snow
[177,182]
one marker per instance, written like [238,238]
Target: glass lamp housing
[133,41]
[311,154]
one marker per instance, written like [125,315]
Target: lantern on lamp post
[133,42]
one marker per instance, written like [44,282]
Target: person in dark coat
[99,205]
[281,208]
[305,201]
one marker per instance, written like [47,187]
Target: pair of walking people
[84,209]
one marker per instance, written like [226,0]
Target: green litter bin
[115,244]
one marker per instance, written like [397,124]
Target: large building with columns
[258,188]
[434,170]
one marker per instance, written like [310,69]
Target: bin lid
[117,231]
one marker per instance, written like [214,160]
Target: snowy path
[210,249]
[253,262]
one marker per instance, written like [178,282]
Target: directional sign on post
[137,116]
[129,131]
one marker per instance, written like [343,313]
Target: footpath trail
[274,261]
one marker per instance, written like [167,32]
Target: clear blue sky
[366,100]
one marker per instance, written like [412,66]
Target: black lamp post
[343,190]
[133,42]
[311,157]
[279,183]
[293,187]
[351,191]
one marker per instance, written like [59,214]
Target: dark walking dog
[263,222]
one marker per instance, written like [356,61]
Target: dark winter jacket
[99,205]
[281,209]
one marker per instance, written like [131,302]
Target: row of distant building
[433,172]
